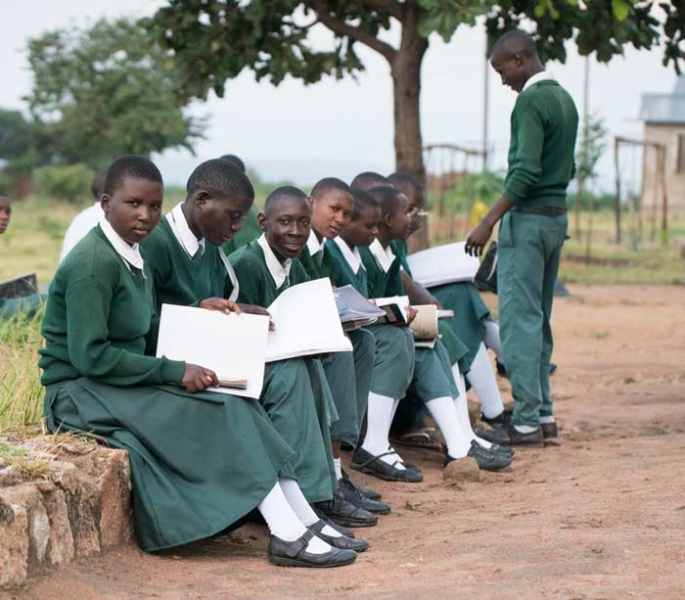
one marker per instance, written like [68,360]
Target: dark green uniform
[394,357]
[432,372]
[185,280]
[544,124]
[348,373]
[257,286]
[199,462]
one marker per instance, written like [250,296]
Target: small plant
[70,183]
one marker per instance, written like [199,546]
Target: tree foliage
[104,91]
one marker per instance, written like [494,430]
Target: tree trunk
[406,78]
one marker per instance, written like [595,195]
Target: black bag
[486,276]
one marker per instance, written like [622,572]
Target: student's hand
[411,314]
[253,309]
[476,240]
[196,379]
[220,304]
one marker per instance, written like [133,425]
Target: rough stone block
[460,471]
[14,547]
[114,490]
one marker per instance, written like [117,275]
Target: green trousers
[528,264]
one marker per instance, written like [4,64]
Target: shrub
[70,183]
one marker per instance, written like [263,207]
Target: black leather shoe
[533,439]
[352,494]
[365,491]
[550,431]
[497,435]
[345,513]
[294,554]
[497,449]
[343,542]
[487,460]
[373,465]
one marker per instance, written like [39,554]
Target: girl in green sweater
[200,461]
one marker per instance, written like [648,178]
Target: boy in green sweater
[189,268]
[348,374]
[532,230]
[199,460]
[268,266]
[434,381]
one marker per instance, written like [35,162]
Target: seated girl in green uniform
[471,321]
[13,303]
[200,461]
[265,268]
[348,374]
[393,367]
[434,382]
[189,267]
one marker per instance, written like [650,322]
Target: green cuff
[172,370]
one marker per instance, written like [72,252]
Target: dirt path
[601,517]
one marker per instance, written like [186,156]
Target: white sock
[302,508]
[462,406]
[283,522]
[492,339]
[482,378]
[337,465]
[548,419]
[445,414]
[379,415]
[525,428]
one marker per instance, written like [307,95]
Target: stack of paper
[442,265]
[306,322]
[355,310]
[234,346]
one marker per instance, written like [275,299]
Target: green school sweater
[544,124]
[97,316]
[380,283]
[256,284]
[317,266]
[343,274]
[178,278]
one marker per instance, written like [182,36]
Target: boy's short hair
[368,180]
[387,198]
[405,181]
[327,184]
[281,193]
[361,200]
[130,165]
[514,42]
[220,177]
[236,161]
[97,185]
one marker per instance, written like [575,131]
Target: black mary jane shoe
[342,542]
[365,491]
[341,511]
[497,449]
[294,554]
[534,439]
[352,494]
[488,460]
[373,465]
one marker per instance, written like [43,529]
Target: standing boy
[532,230]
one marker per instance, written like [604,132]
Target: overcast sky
[342,127]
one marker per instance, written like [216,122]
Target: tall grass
[21,395]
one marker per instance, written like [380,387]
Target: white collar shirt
[129,254]
[353,258]
[279,272]
[384,256]
[182,232]
[541,76]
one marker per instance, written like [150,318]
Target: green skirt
[302,419]
[393,367]
[199,462]
[470,314]
[433,374]
[457,350]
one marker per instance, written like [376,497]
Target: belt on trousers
[546,211]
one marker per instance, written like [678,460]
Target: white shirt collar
[384,256]
[541,76]
[278,271]
[181,230]
[313,243]
[353,257]
[129,254]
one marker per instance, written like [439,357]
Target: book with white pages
[306,322]
[395,308]
[354,309]
[443,264]
[234,346]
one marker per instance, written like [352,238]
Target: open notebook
[233,346]
[306,322]
[355,310]
[443,264]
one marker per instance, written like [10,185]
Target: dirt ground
[600,517]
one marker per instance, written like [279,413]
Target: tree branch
[390,6]
[339,26]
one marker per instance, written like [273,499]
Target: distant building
[664,119]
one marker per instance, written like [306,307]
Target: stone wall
[64,498]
